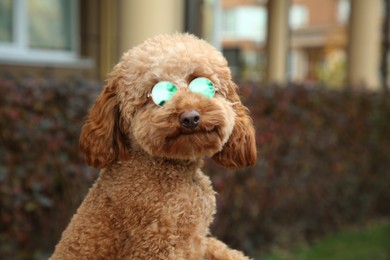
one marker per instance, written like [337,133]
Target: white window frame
[19,52]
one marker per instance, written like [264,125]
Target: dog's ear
[101,139]
[240,149]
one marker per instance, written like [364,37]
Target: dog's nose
[190,119]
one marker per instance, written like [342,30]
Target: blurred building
[272,41]
[78,37]
[318,40]
[243,37]
[317,35]
[304,40]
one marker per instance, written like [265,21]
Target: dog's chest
[162,198]
[170,210]
[187,202]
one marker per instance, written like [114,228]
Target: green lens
[162,92]
[202,86]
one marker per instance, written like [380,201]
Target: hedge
[43,176]
[323,162]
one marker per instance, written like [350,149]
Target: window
[343,10]
[299,16]
[39,31]
[6,18]
[245,23]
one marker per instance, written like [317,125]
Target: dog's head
[172,97]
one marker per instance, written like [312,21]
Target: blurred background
[314,75]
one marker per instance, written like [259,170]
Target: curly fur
[151,200]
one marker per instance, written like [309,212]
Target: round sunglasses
[163,91]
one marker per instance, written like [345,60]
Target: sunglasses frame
[149,95]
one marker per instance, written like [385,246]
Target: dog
[169,103]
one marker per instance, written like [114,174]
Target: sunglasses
[163,91]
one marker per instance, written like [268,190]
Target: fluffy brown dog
[167,104]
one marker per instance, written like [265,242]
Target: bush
[43,176]
[323,162]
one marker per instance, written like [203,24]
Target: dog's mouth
[190,143]
[191,132]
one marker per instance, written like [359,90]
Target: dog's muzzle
[190,119]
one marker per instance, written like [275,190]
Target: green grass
[369,243]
